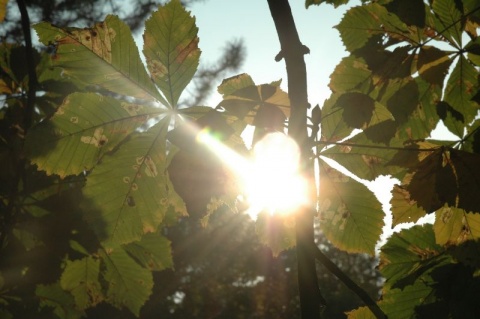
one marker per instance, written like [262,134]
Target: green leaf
[404,209]
[84,128]
[373,19]
[446,176]
[171,49]
[361,111]
[449,20]
[461,87]
[335,3]
[235,83]
[366,161]
[333,127]
[104,55]
[152,252]
[454,226]
[360,313]
[276,231]
[433,64]
[81,279]
[128,191]
[129,285]
[408,255]
[62,302]
[351,217]
[249,101]
[351,73]
[28,240]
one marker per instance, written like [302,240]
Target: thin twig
[362,294]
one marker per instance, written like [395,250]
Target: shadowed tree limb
[292,51]
[362,294]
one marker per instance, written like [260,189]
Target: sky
[220,21]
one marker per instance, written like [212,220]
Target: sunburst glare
[269,180]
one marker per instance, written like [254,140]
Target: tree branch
[362,294]
[292,51]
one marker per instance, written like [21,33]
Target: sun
[269,180]
[273,183]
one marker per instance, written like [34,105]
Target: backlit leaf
[404,209]
[408,255]
[360,313]
[335,3]
[62,302]
[153,252]
[128,191]
[450,20]
[351,73]
[84,128]
[129,285]
[234,83]
[81,279]
[333,127]
[433,64]
[276,231]
[446,176]
[351,217]
[171,49]
[96,56]
[361,111]
[366,161]
[462,85]
[454,226]
[3,9]
[373,19]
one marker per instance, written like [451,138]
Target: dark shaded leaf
[447,176]
[433,64]
[411,12]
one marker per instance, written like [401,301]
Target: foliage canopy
[110,133]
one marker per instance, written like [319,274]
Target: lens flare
[270,180]
[273,183]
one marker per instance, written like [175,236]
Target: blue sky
[220,21]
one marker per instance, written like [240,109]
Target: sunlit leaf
[84,128]
[411,12]
[248,101]
[276,231]
[97,56]
[433,64]
[129,285]
[234,83]
[454,226]
[404,209]
[462,85]
[128,191]
[360,313]
[351,73]
[335,3]
[373,19]
[171,49]
[153,252]
[351,217]
[449,20]
[81,279]
[361,111]
[408,255]
[366,161]
[446,176]
[333,127]
[28,239]
[63,304]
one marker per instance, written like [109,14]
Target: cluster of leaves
[111,138]
[102,137]
[412,64]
